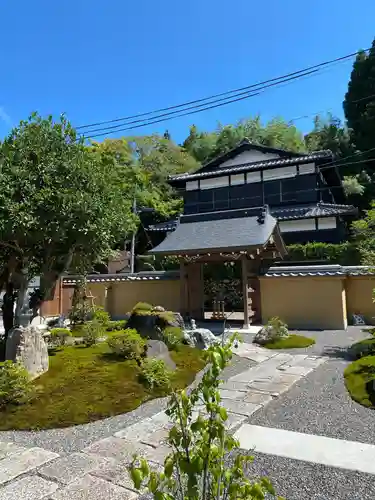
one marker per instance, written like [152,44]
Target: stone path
[99,471]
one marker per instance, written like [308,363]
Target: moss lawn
[85,384]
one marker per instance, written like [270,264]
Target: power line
[227,93]
[201,107]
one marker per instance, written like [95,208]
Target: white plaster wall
[289,226]
[249,157]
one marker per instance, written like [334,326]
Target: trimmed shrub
[127,344]
[142,307]
[290,342]
[362,348]
[101,316]
[274,330]
[91,332]
[346,254]
[173,336]
[155,373]
[359,379]
[60,335]
[116,325]
[15,384]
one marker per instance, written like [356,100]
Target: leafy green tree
[204,462]
[359,103]
[276,133]
[60,204]
[364,235]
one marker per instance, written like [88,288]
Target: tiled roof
[319,210]
[234,230]
[281,214]
[106,278]
[259,165]
[328,270]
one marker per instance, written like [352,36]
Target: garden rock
[151,326]
[26,345]
[156,349]
[270,333]
[202,338]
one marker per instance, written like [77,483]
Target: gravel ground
[296,480]
[319,403]
[72,439]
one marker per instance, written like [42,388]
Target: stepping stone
[115,448]
[156,438]
[156,455]
[276,385]
[72,467]
[296,370]
[23,462]
[93,488]
[228,394]
[240,407]
[120,475]
[28,488]
[146,427]
[232,385]
[234,420]
[8,449]
[258,398]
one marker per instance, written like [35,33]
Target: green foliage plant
[142,309]
[197,466]
[15,384]
[116,325]
[59,336]
[172,336]
[101,316]
[127,344]
[155,374]
[290,342]
[91,332]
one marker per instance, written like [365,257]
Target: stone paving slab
[93,488]
[7,449]
[240,407]
[28,488]
[115,448]
[21,463]
[258,398]
[72,467]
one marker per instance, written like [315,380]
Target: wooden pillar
[245,293]
[195,290]
[184,307]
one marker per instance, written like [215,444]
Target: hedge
[345,253]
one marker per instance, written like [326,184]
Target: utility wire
[227,93]
[191,110]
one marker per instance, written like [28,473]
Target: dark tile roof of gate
[219,231]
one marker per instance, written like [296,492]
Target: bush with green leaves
[116,325]
[155,374]
[204,462]
[127,344]
[101,316]
[91,332]
[142,307]
[172,336]
[15,384]
[59,336]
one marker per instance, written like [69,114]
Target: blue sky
[100,60]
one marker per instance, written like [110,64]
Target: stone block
[136,431]
[116,448]
[28,488]
[240,407]
[296,370]
[27,346]
[228,394]
[276,385]
[7,449]
[233,385]
[156,455]
[23,462]
[93,488]
[258,398]
[120,475]
[156,438]
[71,467]
[234,420]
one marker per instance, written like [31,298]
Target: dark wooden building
[247,205]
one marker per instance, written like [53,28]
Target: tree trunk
[21,299]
